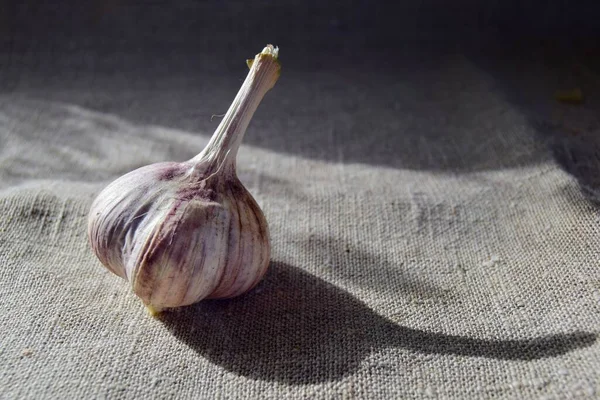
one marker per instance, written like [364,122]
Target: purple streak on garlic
[183,232]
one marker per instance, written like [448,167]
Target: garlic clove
[183,232]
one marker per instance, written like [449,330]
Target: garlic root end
[153,311]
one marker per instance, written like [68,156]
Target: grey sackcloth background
[433,210]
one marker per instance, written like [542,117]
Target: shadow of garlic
[188,231]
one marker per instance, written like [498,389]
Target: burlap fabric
[434,219]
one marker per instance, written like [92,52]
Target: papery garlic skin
[178,239]
[183,232]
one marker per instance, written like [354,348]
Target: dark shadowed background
[350,67]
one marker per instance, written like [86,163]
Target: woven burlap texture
[428,241]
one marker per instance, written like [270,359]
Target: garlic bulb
[183,232]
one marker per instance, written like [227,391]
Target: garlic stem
[223,145]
